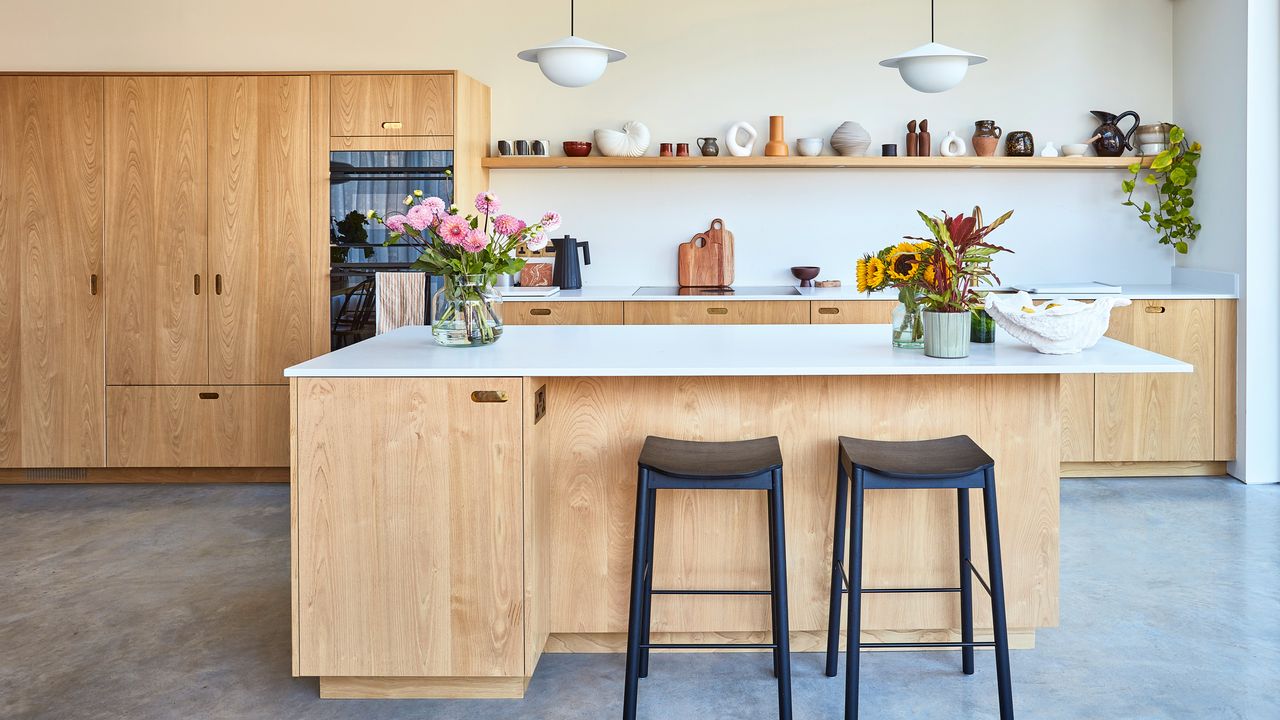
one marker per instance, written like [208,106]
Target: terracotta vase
[986,138]
[777,145]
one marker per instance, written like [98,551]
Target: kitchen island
[456,513]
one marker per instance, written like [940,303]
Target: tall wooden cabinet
[52,390]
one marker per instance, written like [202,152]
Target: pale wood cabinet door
[259,221]
[1158,416]
[157,225]
[562,313]
[851,312]
[52,389]
[409,539]
[729,312]
[391,105]
[1076,401]
[198,426]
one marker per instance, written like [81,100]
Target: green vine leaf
[1170,178]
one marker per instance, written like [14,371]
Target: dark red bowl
[577,148]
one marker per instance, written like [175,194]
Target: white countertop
[613,293]
[707,350]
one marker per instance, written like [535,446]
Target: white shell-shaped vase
[734,143]
[952,145]
[633,141]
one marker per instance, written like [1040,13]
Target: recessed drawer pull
[540,311]
[217,284]
[489,396]
[828,311]
[1155,309]
[197,276]
[717,311]
[391,125]
[208,396]
[93,284]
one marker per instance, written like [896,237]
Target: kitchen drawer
[729,312]
[198,426]
[364,105]
[851,312]
[562,313]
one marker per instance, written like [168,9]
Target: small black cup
[522,147]
[504,147]
[889,150]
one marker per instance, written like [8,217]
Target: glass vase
[908,326]
[468,312]
[982,328]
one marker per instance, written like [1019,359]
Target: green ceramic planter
[946,335]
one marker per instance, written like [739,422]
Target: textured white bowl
[851,139]
[1070,327]
[1074,149]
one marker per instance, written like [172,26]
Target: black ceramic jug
[1111,141]
[567,273]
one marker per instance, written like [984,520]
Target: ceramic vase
[777,145]
[952,145]
[986,138]
[946,334]
[733,142]
[850,139]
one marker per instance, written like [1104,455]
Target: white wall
[695,68]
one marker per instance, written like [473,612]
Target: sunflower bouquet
[906,267]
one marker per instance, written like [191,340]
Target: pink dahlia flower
[537,241]
[395,223]
[487,203]
[551,221]
[475,241]
[453,229]
[507,225]
[420,217]
[436,206]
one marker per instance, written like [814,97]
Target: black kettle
[567,273]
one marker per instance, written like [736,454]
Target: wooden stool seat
[915,459]
[711,460]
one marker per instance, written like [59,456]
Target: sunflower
[928,275]
[875,273]
[861,274]
[903,262]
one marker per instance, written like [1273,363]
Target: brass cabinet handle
[540,311]
[197,283]
[217,284]
[93,284]
[717,311]
[208,396]
[391,125]
[828,311]
[489,396]
[1155,309]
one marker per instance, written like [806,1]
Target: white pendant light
[933,67]
[572,61]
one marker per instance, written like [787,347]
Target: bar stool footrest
[710,592]
[957,644]
[715,646]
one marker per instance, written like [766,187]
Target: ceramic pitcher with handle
[1110,140]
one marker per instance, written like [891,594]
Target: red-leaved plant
[960,261]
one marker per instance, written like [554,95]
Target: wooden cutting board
[706,260]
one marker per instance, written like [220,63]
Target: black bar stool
[667,464]
[954,462]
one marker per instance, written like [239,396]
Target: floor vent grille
[56,474]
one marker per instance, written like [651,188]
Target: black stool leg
[966,579]
[997,597]
[781,635]
[647,620]
[837,563]
[638,554]
[854,639]
[773,583]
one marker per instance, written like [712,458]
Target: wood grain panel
[152,475]
[1224,380]
[561,313]
[851,312]
[538,553]
[729,312]
[1159,417]
[52,384]
[156,230]
[320,188]
[404,142]
[410,541]
[1077,402]
[404,688]
[471,139]
[1156,468]
[719,539]
[259,209]
[173,426]
[391,105]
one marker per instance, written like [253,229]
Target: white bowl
[809,147]
[1074,149]
[1056,327]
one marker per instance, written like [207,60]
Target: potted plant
[1172,173]
[899,267]
[958,263]
[470,252]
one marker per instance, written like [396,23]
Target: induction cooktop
[717,291]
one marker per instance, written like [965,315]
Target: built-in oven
[360,181]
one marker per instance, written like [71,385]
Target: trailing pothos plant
[1172,173]
[959,260]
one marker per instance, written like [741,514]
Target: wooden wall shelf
[526,162]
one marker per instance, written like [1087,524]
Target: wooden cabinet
[729,312]
[1160,417]
[1075,403]
[409,543]
[259,320]
[198,426]
[391,105]
[51,314]
[562,313]
[156,230]
[851,312]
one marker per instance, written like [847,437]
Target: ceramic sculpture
[850,139]
[631,142]
[736,147]
[1056,327]
[952,145]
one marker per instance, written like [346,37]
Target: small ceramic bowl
[809,147]
[577,148]
[1074,149]
[805,274]
[1152,148]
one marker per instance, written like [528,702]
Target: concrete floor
[173,602]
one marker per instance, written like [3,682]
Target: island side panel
[409,530]
[537,522]
[718,539]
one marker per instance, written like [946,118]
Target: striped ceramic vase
[946,334]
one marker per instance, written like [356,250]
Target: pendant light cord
[571,16]
[931,38]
